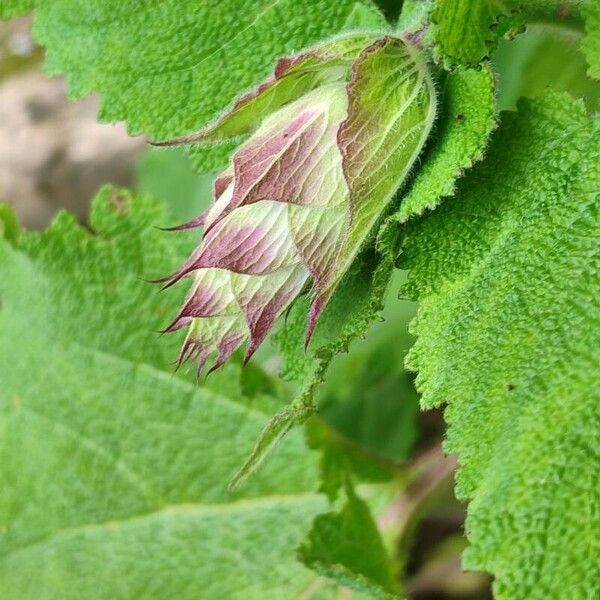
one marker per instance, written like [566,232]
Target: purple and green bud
[330,138]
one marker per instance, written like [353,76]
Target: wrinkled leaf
[108,458]
[507,276]
[468,116]
[466,31]
[168,68]
[346,547]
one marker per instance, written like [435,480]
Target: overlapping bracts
[331,137]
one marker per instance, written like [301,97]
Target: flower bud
[330,138]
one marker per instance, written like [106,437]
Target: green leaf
[468,116]
[108,458]
[368,396]
[144,252]
[365,16]
[414,15]
[591,43]
[465,31]
[12,8]
[346,547]
[168,68]
[273,432]
[9,226]
[507,276]
[342,460]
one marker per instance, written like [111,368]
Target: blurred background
[54,154]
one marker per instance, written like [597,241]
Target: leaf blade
[106,456]
[506,336]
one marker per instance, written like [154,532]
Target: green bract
[332,135]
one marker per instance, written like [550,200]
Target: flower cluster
[330,138]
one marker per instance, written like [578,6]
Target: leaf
[168,68]
[274,431]
[9,226]
[365,16]
[12,8]
[144,253]
[347,547]
[109,459]
[507,279]
[468,116]
[466,31]
[368,396]
[591,43]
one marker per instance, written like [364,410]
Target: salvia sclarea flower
[330,138]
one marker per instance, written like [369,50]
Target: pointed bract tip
[196,222]
[178,141]
[316,309]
